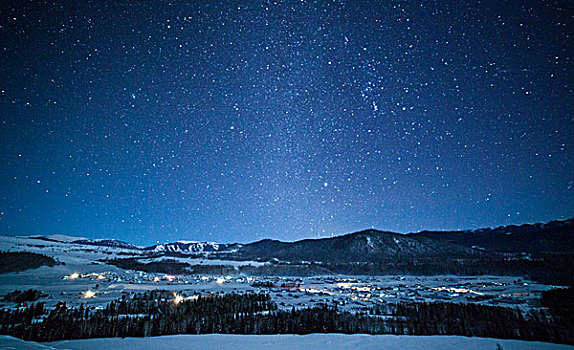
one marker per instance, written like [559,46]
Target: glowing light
[74,276]
[457,290]
[89,294]
[169,277]
[220,280]
[156,279]
[177,298]
[315,290]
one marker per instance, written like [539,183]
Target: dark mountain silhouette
[363,246]
[541,252]
[556,237]
[374,245]
[553,237]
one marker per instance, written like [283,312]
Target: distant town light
[177,298]
[344,285]
[169,277]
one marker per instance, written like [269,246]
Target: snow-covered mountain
[57,238]
[112,243]
[181,246]
[372,245]
[187,247]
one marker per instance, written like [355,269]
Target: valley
[426,274]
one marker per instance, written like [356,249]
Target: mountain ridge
[372,244]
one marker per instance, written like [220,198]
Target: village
[354,293]
[83,277]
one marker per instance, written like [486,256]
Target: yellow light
[156,279]
[178,298]
[220,280]
[89,294]
[74,276]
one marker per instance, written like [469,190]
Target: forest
[157,313]
[20,261]
[548,268]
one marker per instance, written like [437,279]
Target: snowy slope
[186,247]
[112,243]
[55,238]
[64,238]
[286,342]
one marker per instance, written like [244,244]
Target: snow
[199,261]
[185,246]
[194,242]
[286,342]
[7,342]
[106,242]
[370,243]
[62,238]
[84,260]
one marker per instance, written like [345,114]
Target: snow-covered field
[81,272]
[286,342]
[351,292]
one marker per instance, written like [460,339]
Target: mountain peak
[187,247]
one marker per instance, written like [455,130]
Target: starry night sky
[240,120]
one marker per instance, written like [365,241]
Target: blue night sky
[241,120]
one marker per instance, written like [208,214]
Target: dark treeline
[19,296]
[20,261]
[560,303]
[478,320]
[158,313]
[549,269]
[302,270]
[213,270]
[169,266]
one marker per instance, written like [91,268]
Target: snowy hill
[57,238]
[112,243]
[187,247]
[181,246]
[368,245]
